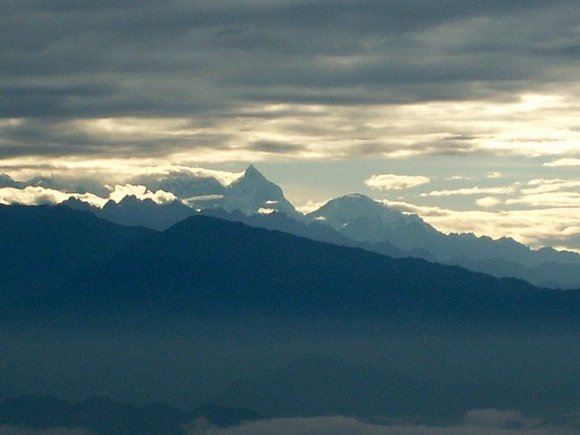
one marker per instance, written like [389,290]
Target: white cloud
[488,201]
[546,193]
[141,192]
[478,422]
[110,170]
[395,181]
[550,185]
[535,227]
[310,206]
[504,190]
[203,198]
[225,178]
[526,125]
[563,163]
[499,418]
[548,199]
[458,177]
[33,195]
[36,195]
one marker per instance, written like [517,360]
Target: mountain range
[213,311]
[350,220]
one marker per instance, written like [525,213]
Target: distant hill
[213,264]
[364,222]
[103,416]
[43,246]
[205,264]
[213,308]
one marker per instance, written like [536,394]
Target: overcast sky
[464,111]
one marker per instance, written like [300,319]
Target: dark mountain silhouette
[77,204]
[214,264]
[102,416]
[45,245]
[126,309]
[204,264]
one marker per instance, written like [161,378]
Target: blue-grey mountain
[213,311]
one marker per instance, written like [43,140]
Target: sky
[465,112]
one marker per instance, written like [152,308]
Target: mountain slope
[45,245]
[249,193]
[135,212]
[210,265]
[180,315]
[363,219]
[253,192]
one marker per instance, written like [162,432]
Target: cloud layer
[222,81]
[476,422]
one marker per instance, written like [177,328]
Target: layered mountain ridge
[214,311]
[350,220]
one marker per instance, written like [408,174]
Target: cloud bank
[253,81]
[476,422]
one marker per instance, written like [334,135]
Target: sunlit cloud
[550,185]
[548,199]
[563,163]
[541,125]
[163,171]
[488,201]
[37,195]
[310,206]
[32,195]
[535,227]
[395,182]
[119,192]
[472,191]
[476,422]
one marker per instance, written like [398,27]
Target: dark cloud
[55,137]
[80,59]
[450,146]
[273,147]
